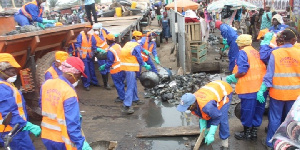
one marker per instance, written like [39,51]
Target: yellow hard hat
[137,34]
[244,40]
[61,56]
[110,37]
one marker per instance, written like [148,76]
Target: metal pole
[175,6]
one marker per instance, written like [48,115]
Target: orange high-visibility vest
[129,61]
[101,43]
[74,51]
[149,49]
[297,45]
[53,73]
[28,15]
[86,46]
[252,81]
[19,104]
[116,50]
[54,127]
[286,79]
[216,90]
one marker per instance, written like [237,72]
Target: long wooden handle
[199,140]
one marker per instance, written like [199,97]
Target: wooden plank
[197,32]
[193,32]
[34,44]
[199,140]
[168,131]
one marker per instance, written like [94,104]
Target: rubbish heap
[213,40]
[171,89]
[24,29]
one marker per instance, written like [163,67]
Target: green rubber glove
[231,79]
[101,68]
[157,60]
[202,124]
[210,137]
[148,67]
[260,93]
[34,129]
[86,146]
[49,21]
[267,38]
[41,25]
[116,34]
[100,50]
[146,52]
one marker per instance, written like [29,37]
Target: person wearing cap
[149,47]
[86,45]
[248,74]
[230,35]
[282,80]
[211,104]
[131,60]
[113,64]
[11,100]
[277,24]
[102,47]
[61,127]
[55,70]
[32,12]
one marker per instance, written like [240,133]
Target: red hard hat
[77,63]
[218,24]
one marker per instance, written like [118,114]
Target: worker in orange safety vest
[211,104]
[86,46]
[61,127]
[55,70]
[11,100]
[248,74]
[282,79]
[131,60]
[114,64]
[32,12]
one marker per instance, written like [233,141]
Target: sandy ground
[103,120]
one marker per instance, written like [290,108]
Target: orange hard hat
[6,57]
[110,37]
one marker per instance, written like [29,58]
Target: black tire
[237,110]
[158,41]
[42,65]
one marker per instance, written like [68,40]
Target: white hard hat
[97,26]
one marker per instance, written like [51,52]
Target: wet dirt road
[103,120]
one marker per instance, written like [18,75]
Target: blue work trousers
[277,111]
[224,131]
[100,63]
[118,79]
[51,145]
[131,91]
[89,70]
[252,112]
[22,20]
[21,141]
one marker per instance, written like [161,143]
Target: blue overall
[32,9]
[154,53]
[21,141]
[279,28]
[72,115]
[251,110]
[230,35]
[118,78]
[278,109]
[218,117]
[131,93]
[48,74]
[89,68]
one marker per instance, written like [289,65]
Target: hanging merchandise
[288,134]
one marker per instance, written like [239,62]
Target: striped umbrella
[236,4]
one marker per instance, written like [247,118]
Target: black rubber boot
[105,81]
[243,135]
[254,133]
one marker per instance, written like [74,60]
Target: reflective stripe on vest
[286,79]
[116,66]
[28,15]
[54,93]
[255,74]
[86,46]
[128,61]
[213,91]
[18,102]
[149,49]
[101,43]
